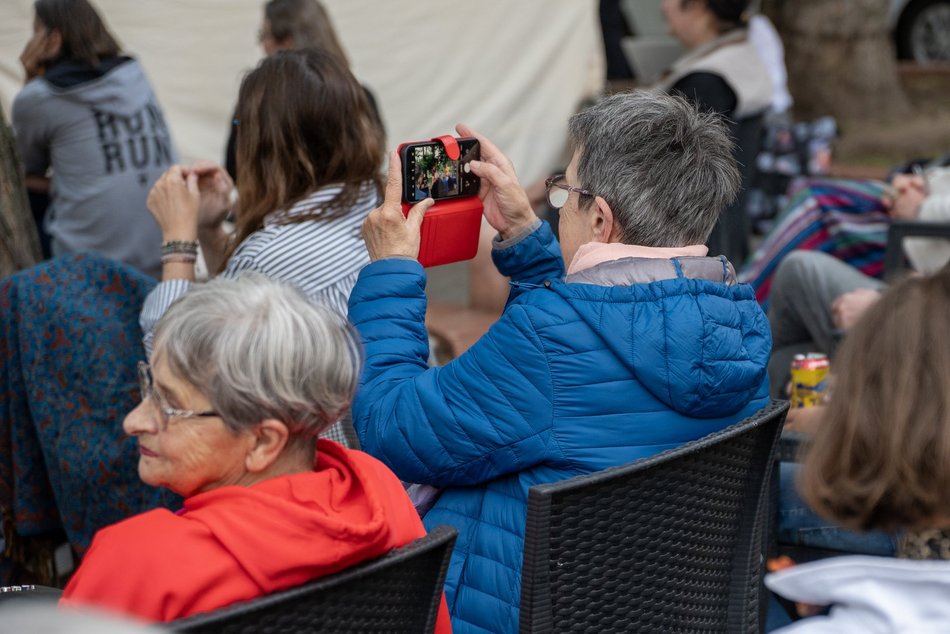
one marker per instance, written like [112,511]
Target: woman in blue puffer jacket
[647,343]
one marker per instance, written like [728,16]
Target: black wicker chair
[670,543]
[894,261]
[399,592]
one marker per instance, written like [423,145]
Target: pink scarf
[594,253]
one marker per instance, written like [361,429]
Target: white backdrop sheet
[513,69]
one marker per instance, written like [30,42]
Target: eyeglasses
[147,387]
[558,191]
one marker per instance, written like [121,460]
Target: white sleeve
[927,255]
[157,302]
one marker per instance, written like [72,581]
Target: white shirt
[869,595]
[323,257]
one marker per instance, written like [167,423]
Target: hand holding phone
[506,205]
[387,231]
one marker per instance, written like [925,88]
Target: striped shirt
[321,257]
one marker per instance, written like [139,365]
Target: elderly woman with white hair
[243,377]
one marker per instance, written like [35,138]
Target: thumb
[487,171]
[417,213]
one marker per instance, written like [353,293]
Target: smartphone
[427,172]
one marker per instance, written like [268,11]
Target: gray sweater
[104,135]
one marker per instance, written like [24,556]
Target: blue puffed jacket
[618,362]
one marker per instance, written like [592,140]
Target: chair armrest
[894,255]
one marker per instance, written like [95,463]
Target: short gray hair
[261,349]
[666,169]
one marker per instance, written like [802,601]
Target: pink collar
[594,253]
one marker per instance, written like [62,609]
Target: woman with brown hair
[880,460]
[89,117]
[296,24]
[290,24]
[310,165]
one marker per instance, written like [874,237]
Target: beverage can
[809,379]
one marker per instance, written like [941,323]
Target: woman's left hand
[174,202]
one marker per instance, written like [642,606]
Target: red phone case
[450,227]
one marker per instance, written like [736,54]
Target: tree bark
[19,243]
[840,58]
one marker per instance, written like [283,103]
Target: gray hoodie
[103,133]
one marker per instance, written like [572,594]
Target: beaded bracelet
[180,246]
[184,258]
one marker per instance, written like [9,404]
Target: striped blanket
[843,218]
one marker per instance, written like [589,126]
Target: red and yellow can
[809,379]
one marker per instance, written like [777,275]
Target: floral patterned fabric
[69,343]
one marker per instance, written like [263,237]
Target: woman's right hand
[507,208]
[174,202]
[215,186]
[41,48]
[908,192]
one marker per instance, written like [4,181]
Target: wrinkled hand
[386,231]
[847,309]
[174,202]
[506,204]
[908,194]
[215,187]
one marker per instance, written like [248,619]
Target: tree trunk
[19,244]
[840,58]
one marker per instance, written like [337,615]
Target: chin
[146,476]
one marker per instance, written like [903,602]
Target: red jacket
[236,543]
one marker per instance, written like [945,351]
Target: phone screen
[429,172]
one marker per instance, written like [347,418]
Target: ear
[602,225]
[268,441]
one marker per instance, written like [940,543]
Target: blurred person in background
[815,298]
[89,117]
[723,72]
[880,460]
[292,24]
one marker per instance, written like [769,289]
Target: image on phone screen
[429,172]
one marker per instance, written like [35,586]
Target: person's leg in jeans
[798,525]
[805,285]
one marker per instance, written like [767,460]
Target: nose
[141,420]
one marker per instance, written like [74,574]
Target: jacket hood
[869,594]
[697,340]
[117,86]
[325,520]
